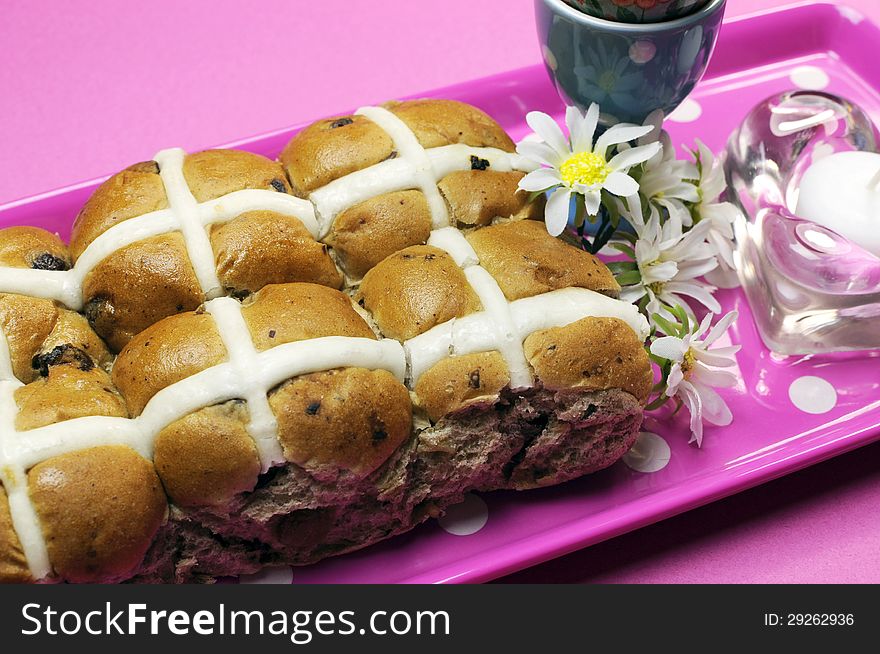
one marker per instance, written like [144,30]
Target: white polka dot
[812,394]
[466,518]
[809,77]
[649,454]
[687,112]
[274,575]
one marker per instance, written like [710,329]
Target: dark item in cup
[638,11]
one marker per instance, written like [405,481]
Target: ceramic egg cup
[628,69]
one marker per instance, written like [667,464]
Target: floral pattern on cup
[637,11]
[630,70]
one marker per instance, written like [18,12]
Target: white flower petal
[592,200]
[656,306]
[545,127]
[700,292]
[694,404]
[715,409]
[703,326]
[556,211]
[583,129]
[655,120]
[715,377]
[660,272]
[669,347]
[633,156]
[672,300]
[676,376]
[694,269]
[683,191]
[633,213]
[632,294]
[540,153]
[620,134]
[719,357]
[621,184]
[539,180]
[720,327]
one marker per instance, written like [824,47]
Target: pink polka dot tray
[789,412]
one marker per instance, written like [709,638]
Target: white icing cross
[248,375]
[503,325]
[415,167]
[184,214]
[186,209]
[13,474]
[496,308]
[411,151]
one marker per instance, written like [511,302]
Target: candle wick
[875,181]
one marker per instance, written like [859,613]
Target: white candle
[842,192]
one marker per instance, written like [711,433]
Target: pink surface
[113,91]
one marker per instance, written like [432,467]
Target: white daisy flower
[697,371]
[669,262]
[665,179]
[720,215]
[580,165]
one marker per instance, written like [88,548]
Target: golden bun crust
[445,122]
[13,565]
[283,313]
[71,328]
[332,148]
[133,192]
[150,279]
[593,353]
[172,349]
[525,260]
[414,290]
[71,388]
[264,247]
[27,323]
[32,247]
[207,457]
[476,197]
[370,231]
[345,419]
[139,285]
[100,508]
[35,327]
[119,507]
[212,173]
[459,380]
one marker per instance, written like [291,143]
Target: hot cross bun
[241,362]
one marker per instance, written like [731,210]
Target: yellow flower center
[688,362]
[656,287]
[587,168]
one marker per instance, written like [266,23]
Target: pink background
[87,87]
